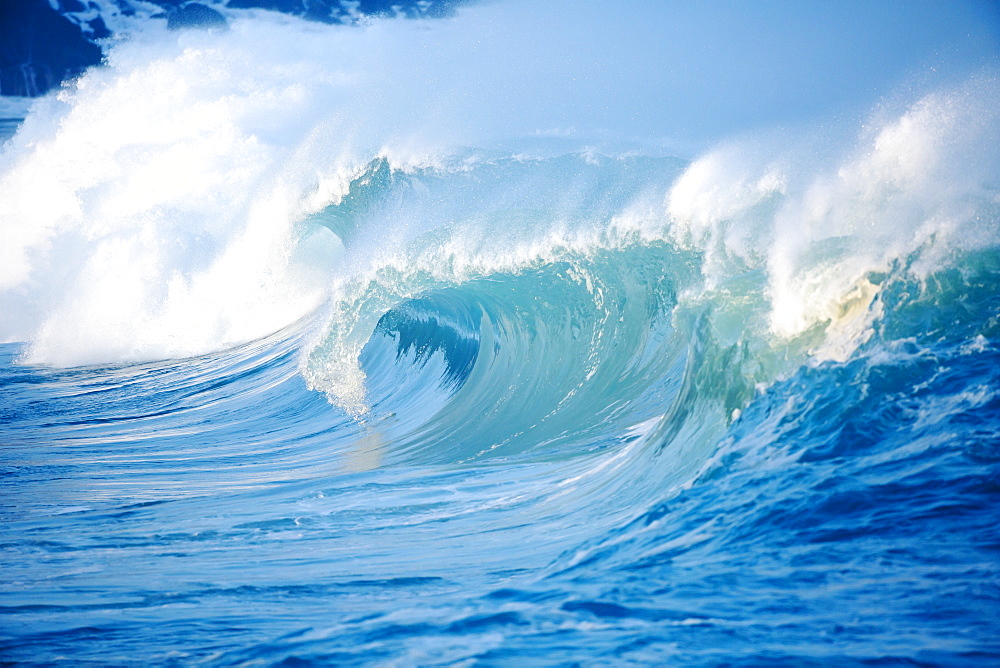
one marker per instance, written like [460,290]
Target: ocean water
[386,344]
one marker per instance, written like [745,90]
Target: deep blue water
[287,383]
[216,510]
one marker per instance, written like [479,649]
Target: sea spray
[153,208]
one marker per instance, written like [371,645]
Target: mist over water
[657,334]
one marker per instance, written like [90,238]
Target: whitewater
[518,336]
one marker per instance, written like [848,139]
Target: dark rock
[98,29]
[195,15]
[71,6]
[332,11]
[295,7]
[40,48]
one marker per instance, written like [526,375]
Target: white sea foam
[155,207]
[151,210]
[917,185]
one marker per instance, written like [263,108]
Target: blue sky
[699,70]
